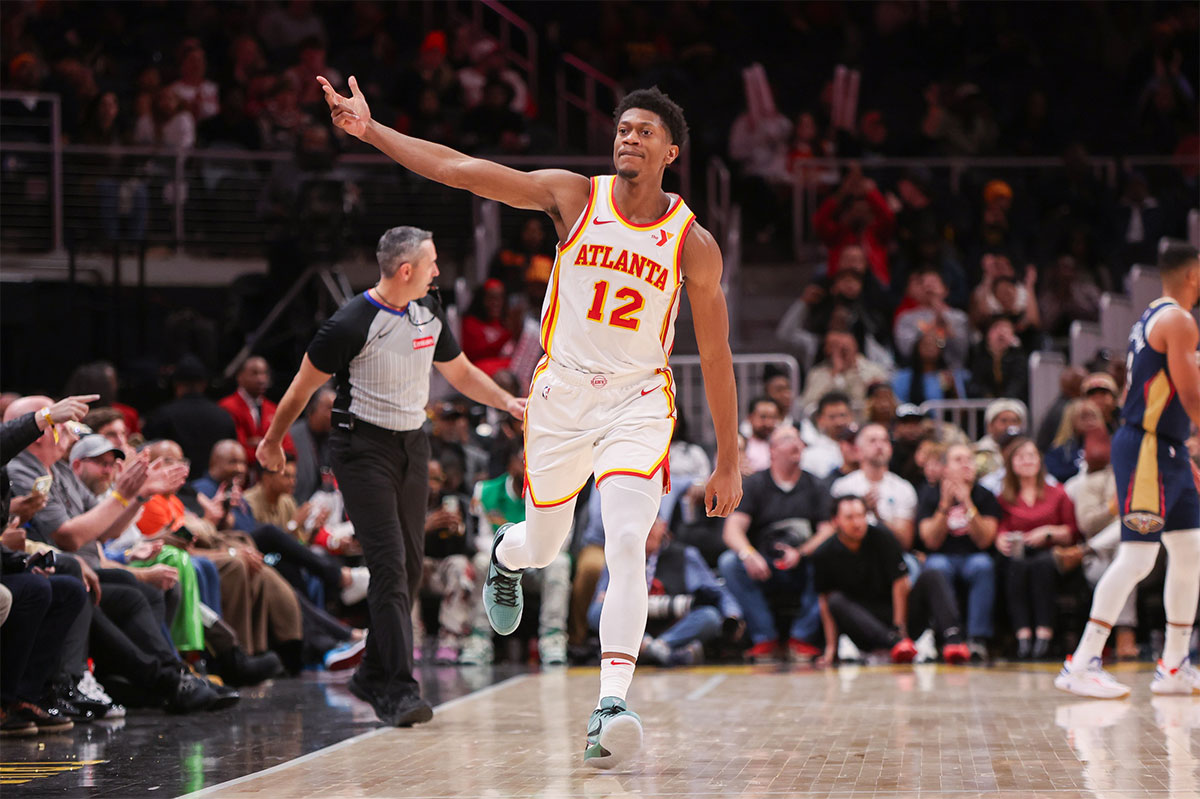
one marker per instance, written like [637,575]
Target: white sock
[1180,592]
[1091,644]
[616,673]
[536,542]
[1133,562]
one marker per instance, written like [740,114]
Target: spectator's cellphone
[450,504]
[41,560]
[42,485]
[77,429]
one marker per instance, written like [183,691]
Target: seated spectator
[310,437]
[192,420]
[252,412]
[485,331]
[932,315]
[881,403]
[783,517]
[1035,516]
[822,452]
[956,522]
[1067,294]
[500,501]
[310,64]
[763,418]
[890,500]
[447,576]
[278,532]
[489,63]
[999,294]
[910,429]
[777,384]
[999,367]
[686,607]
[929,377]
[492,126]
[864,592]
[1066,456]
[42,606]
[857,214]
[1004,419]
[167,123]
[844,370]
[845,438]
[1101,389]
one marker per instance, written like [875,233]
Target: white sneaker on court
[1092,681]
[1183,680]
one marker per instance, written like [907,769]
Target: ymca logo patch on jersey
[1143,522]
[663,237]
[423,342]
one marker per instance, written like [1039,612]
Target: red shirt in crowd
[251,421]
[874,239]
[1055,507]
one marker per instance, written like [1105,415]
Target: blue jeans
[979,573]
[700,624]
[752,595]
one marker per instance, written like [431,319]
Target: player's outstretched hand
[351,114]
[723,491]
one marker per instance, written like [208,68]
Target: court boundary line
[211,789]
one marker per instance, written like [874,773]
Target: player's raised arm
[1180,335]
[702,270]
[560,193]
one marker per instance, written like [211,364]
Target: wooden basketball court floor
[923,731]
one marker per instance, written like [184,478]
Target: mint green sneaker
[614,734]
[502,598]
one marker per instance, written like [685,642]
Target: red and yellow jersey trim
[683,234]
[551,315]
[612,201]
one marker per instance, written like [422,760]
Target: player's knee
[624,545]
[1136,559]
[1183,548]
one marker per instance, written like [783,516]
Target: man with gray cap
[379,348]
[1003,419]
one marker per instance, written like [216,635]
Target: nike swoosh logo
[646,391]
[598,221]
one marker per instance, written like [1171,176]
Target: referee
[379,346]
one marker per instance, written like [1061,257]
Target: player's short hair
[399,245]
[1174,254]
[653,99]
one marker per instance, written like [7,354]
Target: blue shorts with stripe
[1155,490]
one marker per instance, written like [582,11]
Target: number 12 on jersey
[621,317]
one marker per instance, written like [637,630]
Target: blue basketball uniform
[1155,490]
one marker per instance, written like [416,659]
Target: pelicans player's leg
[1175,673]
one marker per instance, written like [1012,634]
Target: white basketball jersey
[613,296]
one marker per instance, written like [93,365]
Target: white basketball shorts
[578,424]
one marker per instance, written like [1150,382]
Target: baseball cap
[1098,381]
[92,445]
[908,412]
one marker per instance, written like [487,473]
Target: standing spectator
[252,412]
[310,437]
[1035,516]
[1138,222]
[929,377]
[782,519]
[851,299]
[999,293]
[687,606]
[192,420]
[763,418]
[932,314]
[198,95]
[864,591]
[890,500]
[823,453]
[844,370]
[167,123]
[999,367]
[857,213]
[957,521]
[100,377]
[758,144]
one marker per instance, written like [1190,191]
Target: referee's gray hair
[397,246]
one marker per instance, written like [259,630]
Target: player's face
[642,144]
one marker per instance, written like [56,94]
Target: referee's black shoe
[406,711]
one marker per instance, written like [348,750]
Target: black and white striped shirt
[381,358]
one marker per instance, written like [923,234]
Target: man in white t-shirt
[890,498]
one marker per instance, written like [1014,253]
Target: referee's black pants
[384,479]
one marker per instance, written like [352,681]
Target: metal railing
[597,122]
[966,414]
[748,369]
[500,22]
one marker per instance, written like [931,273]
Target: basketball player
[1158,487]
[602,400]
